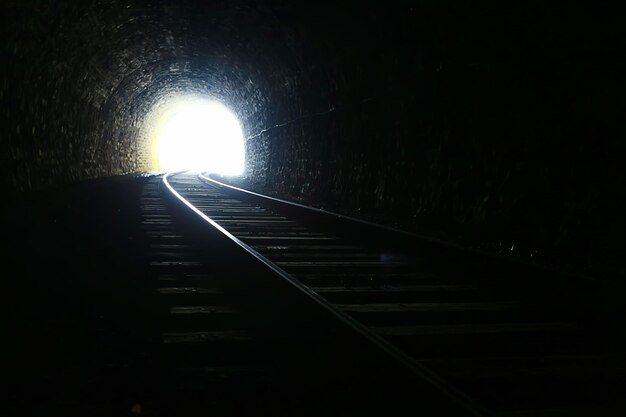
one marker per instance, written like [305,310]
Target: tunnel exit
[193,133]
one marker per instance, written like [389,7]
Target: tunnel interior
[496,126]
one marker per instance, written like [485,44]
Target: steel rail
[457,248]
[422,372]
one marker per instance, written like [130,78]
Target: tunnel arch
[92,71]
[489,114]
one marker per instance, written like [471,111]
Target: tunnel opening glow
[200,135]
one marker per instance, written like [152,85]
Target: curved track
[441,328]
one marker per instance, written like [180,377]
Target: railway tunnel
[497,123]
[494,127]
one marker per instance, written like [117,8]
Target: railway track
[237,341]
[258,293]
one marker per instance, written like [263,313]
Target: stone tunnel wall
[495,127]
[494,124]
[82,77]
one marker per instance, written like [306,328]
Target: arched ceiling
[83,75]
[493,117]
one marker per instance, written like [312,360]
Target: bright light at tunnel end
[198,134]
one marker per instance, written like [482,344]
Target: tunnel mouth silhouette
[198,133]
